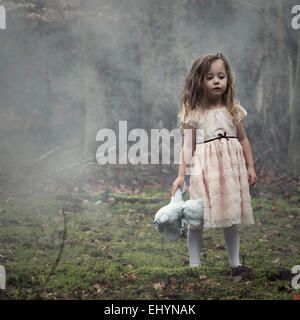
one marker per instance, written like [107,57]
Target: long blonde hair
[193,98]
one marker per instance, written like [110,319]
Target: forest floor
[99,244]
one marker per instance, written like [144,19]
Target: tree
[294,145]
[277,68]
[94,91]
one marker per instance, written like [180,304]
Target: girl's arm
[242,137]
[187,152]
[188,149]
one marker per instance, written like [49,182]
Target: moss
[112,251]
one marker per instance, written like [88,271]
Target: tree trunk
[95,108]
[276,75]
[154,33]
[294,145]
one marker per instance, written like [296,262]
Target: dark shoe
[241,273]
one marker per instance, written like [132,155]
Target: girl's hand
[178,183]
[251,176]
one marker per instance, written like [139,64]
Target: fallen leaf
[273,247]
[211,283]
[159,286]
[130,276]
[99,291]
[276,261]
[262,240]
[172,281]
[189,287]
[296,296]
[237,279]
[275,208]
[128,222]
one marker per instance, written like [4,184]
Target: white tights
[232,241]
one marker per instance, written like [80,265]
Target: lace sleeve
[242,113]
[190,122]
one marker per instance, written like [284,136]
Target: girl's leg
[232,240]
[194,241]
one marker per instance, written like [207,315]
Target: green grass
[112,251]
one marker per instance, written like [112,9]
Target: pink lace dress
[221,180]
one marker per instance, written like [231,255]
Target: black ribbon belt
[220,136]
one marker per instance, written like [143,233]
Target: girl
[209,102]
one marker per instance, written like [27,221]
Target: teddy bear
[170,219]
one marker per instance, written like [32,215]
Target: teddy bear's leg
[194,242]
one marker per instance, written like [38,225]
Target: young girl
[209,102]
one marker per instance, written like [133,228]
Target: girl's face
[215,80]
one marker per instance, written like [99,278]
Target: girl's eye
[221,77]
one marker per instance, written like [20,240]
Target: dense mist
[71,68]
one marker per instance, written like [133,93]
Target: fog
[71,68]
[73,228]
